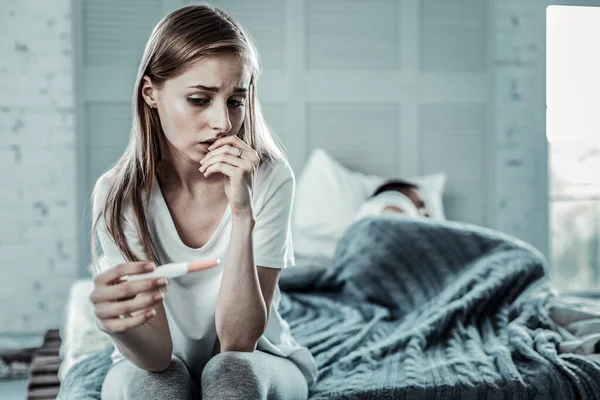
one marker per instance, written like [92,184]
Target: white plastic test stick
[173,270]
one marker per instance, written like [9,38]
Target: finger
[227,149]
[226,169]
[224,158]
[223,149]
[248,153]
[117,325]
[109,310]
[113,275]
[231,140]
[126,290]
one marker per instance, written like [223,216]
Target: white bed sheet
[79,333]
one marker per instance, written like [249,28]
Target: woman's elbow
[238,345]
[159,365]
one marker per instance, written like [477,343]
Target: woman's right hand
[122,305]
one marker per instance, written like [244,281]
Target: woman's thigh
[257,375]
[125,381]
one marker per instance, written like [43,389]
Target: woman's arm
[247,290]
[242,312]
[147,345]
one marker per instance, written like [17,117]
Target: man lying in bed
[395,196]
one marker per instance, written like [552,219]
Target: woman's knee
[136,383]
[233,375]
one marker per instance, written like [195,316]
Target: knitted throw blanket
[423,310]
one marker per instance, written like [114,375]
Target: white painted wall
[38,222]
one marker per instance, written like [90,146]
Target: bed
[416,309]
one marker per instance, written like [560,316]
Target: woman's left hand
[237,161]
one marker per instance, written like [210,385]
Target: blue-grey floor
[13,389]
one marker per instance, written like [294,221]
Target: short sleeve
[272,236]
[109,254]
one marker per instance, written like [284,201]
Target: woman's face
[206,102]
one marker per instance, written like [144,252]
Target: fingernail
[151,313]
[159,296]
[161,281]
[149,267]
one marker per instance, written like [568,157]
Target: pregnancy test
[173,270]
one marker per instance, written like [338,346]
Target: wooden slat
[43,393]
[48,351]
[44,360]
[43,369]
[43,376]
[47,379]
[52,334]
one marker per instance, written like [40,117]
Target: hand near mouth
[233,158]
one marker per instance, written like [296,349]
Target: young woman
[201,178]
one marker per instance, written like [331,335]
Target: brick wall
[37,164]
[519,71]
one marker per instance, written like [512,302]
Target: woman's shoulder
[104,183]
[272,173]
[102,191]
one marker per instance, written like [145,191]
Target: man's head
[408,189]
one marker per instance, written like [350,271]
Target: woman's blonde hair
[178,40]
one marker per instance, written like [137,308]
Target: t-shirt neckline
[166,213]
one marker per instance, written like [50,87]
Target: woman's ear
[149,92]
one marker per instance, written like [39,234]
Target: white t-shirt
[191,300]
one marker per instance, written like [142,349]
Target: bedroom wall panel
[104,119]
[265,20]
[111,36]
[276,116]
[362,137]
[453,36]
[352,34]
[452,140]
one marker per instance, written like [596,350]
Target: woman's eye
[236,103]
[198,102]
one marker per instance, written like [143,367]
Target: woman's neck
[177,172]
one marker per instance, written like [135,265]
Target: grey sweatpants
[230,375]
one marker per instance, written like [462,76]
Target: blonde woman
[201,178]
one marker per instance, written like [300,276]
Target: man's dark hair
[396,185]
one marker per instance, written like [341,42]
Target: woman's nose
[219,118]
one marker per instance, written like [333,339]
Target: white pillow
[329,195]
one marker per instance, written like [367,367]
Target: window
[573,132]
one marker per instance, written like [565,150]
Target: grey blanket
[423,310]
